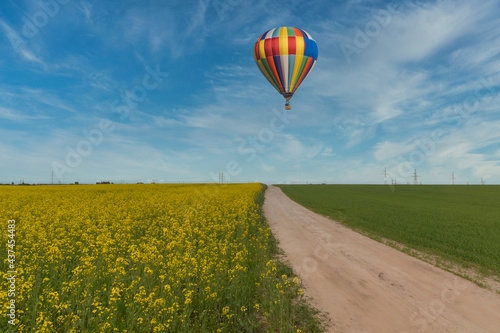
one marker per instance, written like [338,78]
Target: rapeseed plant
[144,258]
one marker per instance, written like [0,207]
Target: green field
[460,224]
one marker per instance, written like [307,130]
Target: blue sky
[168,91]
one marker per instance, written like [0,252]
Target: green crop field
[460,224]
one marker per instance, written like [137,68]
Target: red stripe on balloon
[275,42]
[291,44]
[268,47]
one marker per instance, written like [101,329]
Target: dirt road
[366,286]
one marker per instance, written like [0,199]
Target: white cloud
[166,122]
[387,150]
[378,78]
[16,115]
[422,29]
[19,45]
[197,17]
[86,8]
[267,167]
[291,148]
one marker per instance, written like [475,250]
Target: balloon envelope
[285,56]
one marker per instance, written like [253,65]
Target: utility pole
[415,178]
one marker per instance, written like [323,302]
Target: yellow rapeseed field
[143,258]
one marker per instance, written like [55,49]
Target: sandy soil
[367,286]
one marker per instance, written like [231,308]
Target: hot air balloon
[285,56]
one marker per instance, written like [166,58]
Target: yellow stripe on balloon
[295,77]
[299,46]
[283,32]
[283,46]
[283,41]
[262,51]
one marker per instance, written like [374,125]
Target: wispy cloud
[19,45]
[387,150]
[16,115]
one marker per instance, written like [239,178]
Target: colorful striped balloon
[285,56]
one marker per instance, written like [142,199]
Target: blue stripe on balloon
[305,34]
[277,63]
[263,35]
